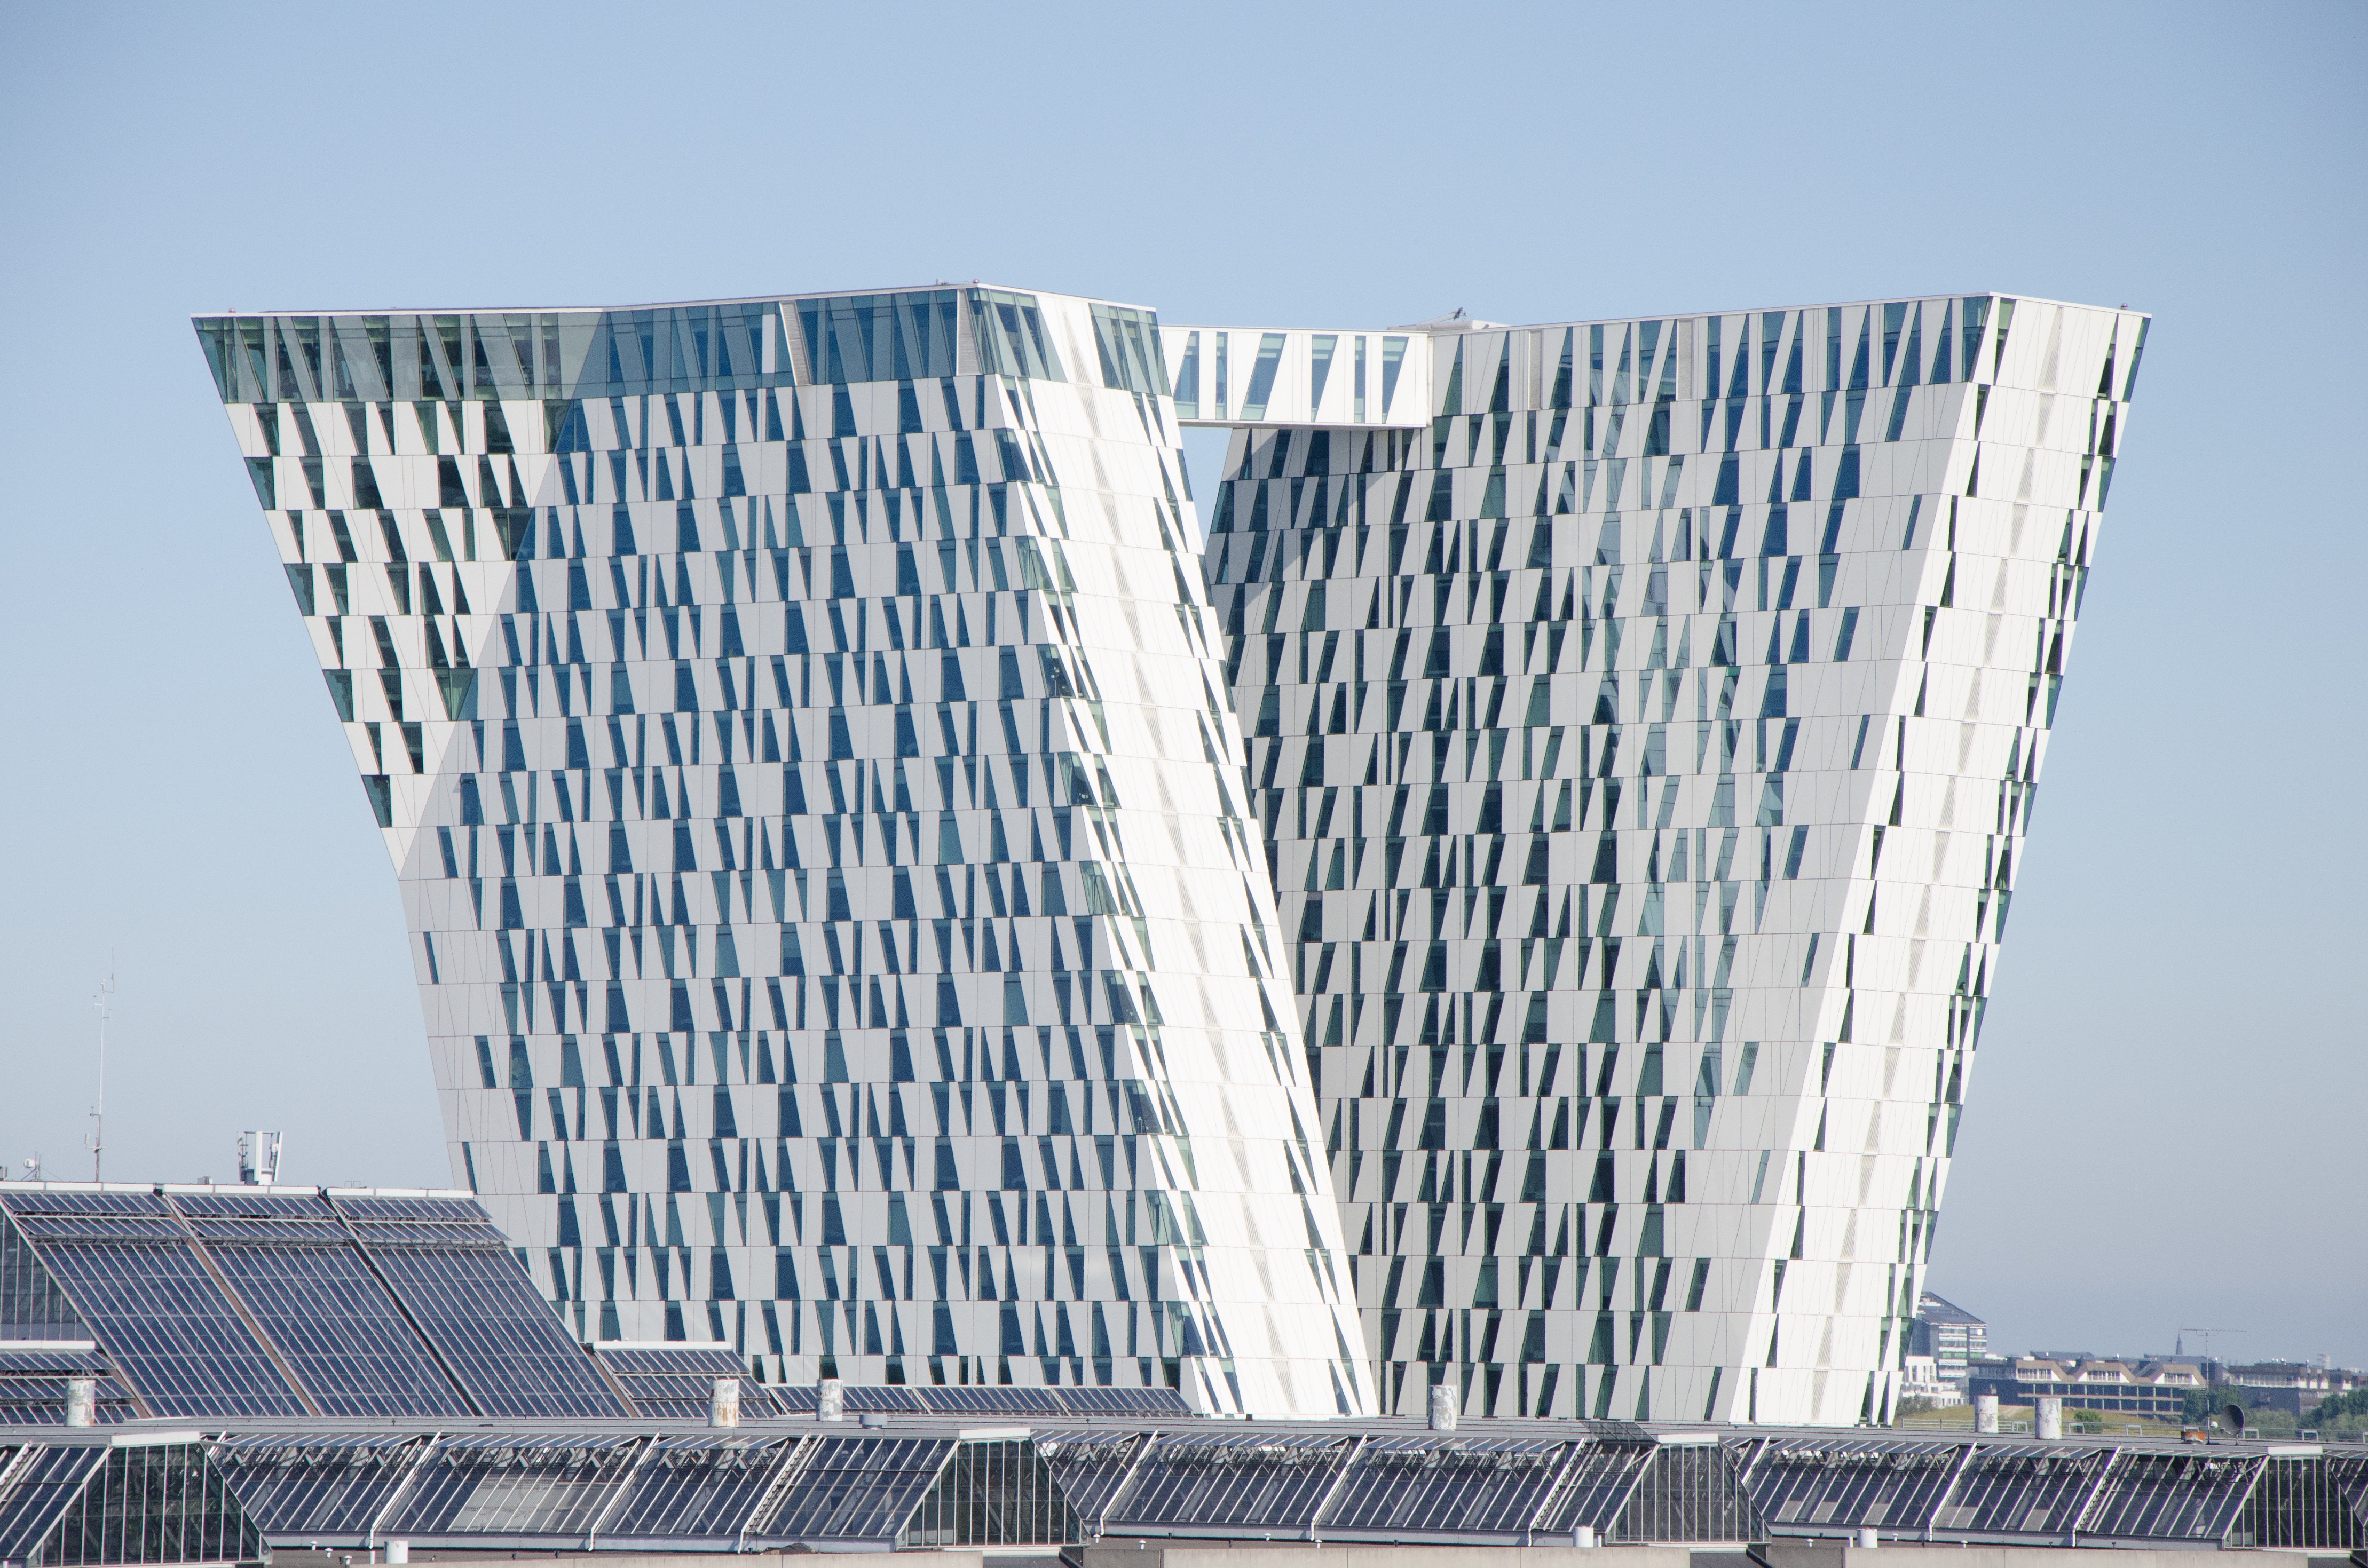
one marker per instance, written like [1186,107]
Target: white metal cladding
[1236,375]
[802,741]
[1643,750]
[1737,635]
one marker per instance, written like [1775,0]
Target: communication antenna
[104,1001]
[2186,1329]
[259,1159]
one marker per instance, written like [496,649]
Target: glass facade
[1515,911]
[1643,751]
[800,736]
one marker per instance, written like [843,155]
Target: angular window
[1262,374]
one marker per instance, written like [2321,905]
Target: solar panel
[336,1325]
[699,1488]
[101,1227]
[1163,1404]
[515,1484]
[448,1210]
[886,1398]
[32,1306]
[44,1483]
[1597,1486]
[987,1400]
[721,1360]
[2021,1491]
[1260,1482]
[40,1401]
[44,1200]
[546,1487]
[249,1203]
[2172,1497]
[167,1325]
[1449,1486]
[33,1379]
[303,1488]
[678,1382]
[1804,1483]
[1090,1466]
[855,1489]
[500,1338]
[254,1214]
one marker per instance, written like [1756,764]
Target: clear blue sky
[2170,1119]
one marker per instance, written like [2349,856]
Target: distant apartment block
[2155,1390]
[2295,1387]
[1951,1337]
[1919,1378]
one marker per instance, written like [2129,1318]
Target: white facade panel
[1643,754]
[801,740]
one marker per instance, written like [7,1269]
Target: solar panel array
[1353,1486]
[33,1377]
[511,1486]
[327,1487]
[677,1491]
[698,1488]
[1885,1483]
[993,1400]
[677,1383]
[2065,1493]
[545,1489]
[241,1303]
[1249,1482]
[861,1489]
[246,1307]
[2193,1496]
[140,1281]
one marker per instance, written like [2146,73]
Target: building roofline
[236,315]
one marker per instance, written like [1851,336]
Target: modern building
[852,929]
[800,734]
[1953,1336]
[1644,718]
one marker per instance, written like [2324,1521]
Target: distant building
[2157,1389]
[1951,1335]
[1921,1378]
[2295,1387]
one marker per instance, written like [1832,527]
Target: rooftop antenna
[104,1001]
[2180,1345]
[259,1159]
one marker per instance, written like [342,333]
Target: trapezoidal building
[854,925]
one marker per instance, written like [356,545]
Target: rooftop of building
[1940,1309]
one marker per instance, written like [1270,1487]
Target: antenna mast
[104,1001]
[2186,1329]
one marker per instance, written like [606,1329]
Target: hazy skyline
[2166,1126]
